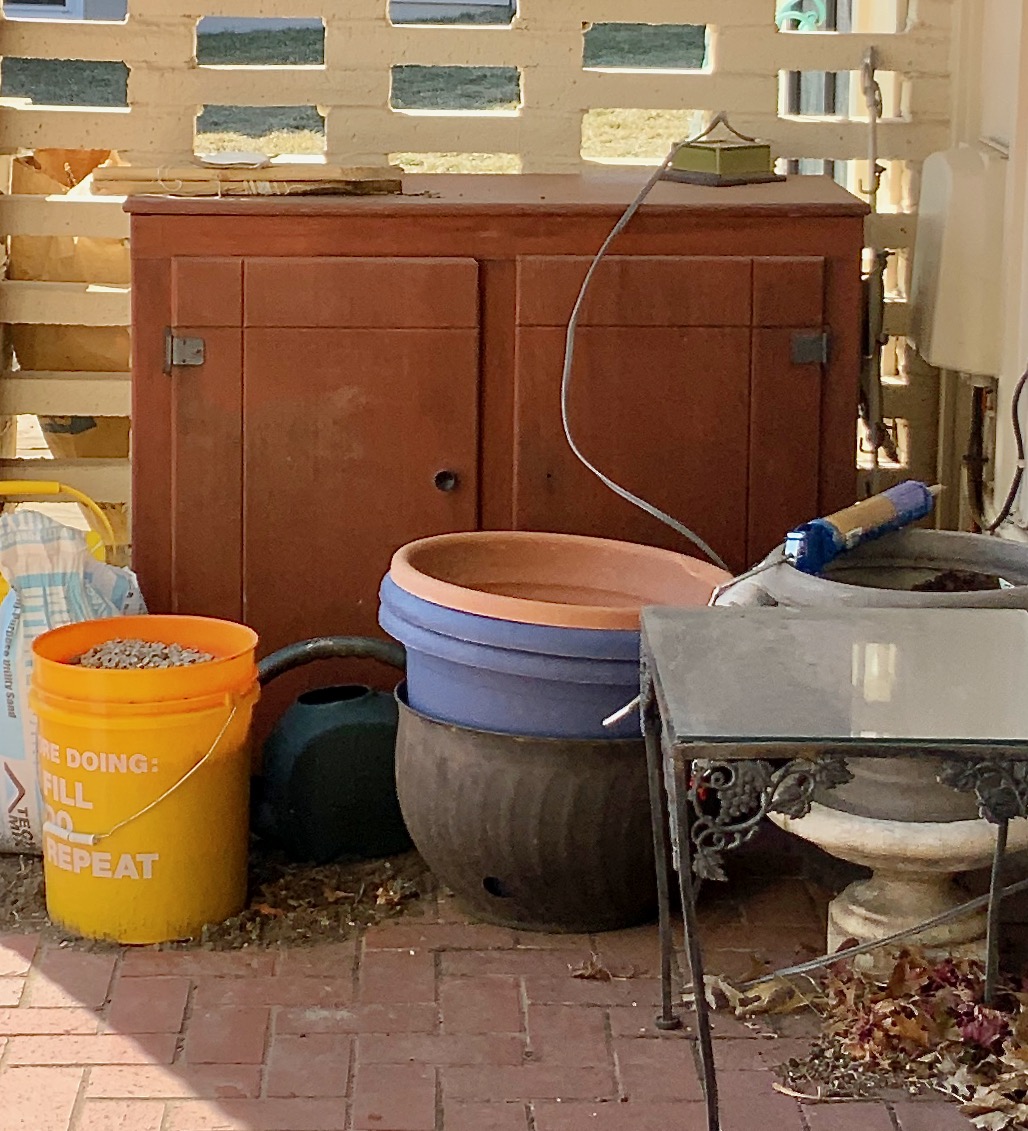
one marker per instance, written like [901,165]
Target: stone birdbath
[915,834]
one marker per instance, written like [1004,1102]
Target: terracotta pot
[564,580]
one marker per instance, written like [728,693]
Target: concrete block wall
[747,59]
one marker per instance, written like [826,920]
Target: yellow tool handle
[29,488]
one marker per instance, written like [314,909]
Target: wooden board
[252,187]
[293,179]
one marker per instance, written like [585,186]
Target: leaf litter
[289,903]
[923,1028]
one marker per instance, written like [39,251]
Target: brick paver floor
[427,1023]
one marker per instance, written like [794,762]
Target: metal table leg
[1000,786]
[995,905]
[661,848]
[683,810]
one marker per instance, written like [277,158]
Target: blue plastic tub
[511,677]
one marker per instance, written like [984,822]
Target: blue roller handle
[814,545]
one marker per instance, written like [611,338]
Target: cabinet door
[786,447]
[360,387]
[684,390]
[659,398]
[187,437]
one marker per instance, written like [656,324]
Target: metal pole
[995,904]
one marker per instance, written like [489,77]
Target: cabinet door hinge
[181,351]
[811,349]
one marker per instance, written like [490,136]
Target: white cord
[760,567]
[622,712]
[569,354]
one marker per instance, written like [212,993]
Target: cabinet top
[597,192]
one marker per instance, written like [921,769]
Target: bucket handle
[91,839]
[44,488]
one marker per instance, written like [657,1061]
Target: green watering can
[329,784]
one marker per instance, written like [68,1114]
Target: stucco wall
[1015,269]
[748,56]
[992,64]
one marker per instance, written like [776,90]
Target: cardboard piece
[294,179]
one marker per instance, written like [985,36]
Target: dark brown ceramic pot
[533,833]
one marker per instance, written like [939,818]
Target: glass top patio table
[726,691]
[774,682]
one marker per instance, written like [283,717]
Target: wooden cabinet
[377,370]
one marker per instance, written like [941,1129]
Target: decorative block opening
[678,47]
[226,41]
[882,17]
[837,93]
[488,12]
[260,129]
[813,167]
[899,429]
[455,88]
[618,135]
[457,162]
[64,82]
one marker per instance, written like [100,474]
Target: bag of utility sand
[54,580]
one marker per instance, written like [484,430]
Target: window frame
[69,10]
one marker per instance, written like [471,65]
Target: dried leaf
[385,897]
[393,893]
[267,909]
[957,1079]
[593,970]
[987,1028]
[999,1121]
[817,1098]
[903,979]
[1015,1053]
[923,1025]
[776,996]
[803,1097]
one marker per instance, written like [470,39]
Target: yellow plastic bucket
[145,776]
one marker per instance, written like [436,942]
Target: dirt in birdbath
[957,581]
[289,904]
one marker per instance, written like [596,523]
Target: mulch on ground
[289,903]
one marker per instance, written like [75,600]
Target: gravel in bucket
[136,654]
